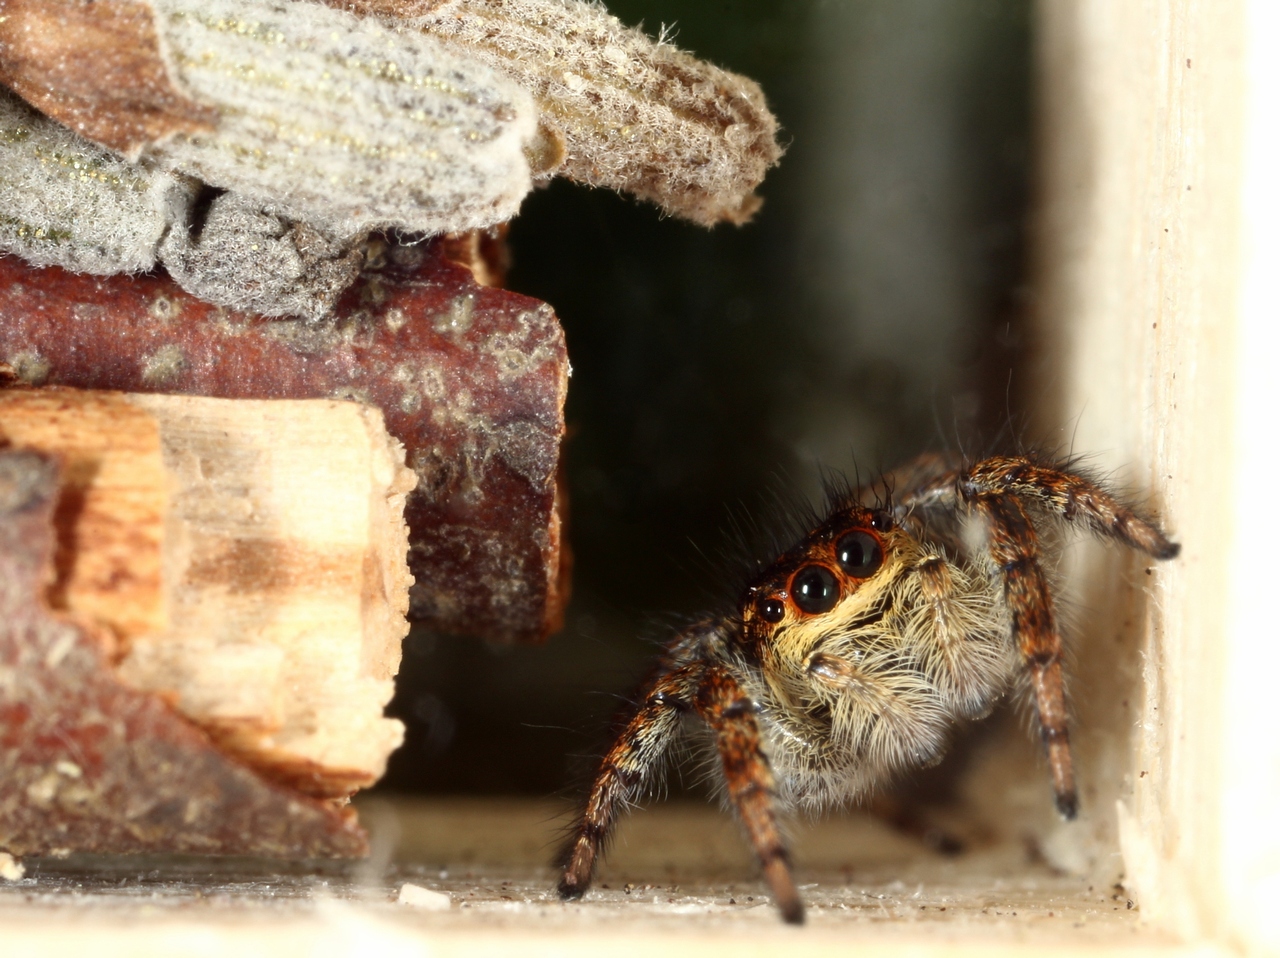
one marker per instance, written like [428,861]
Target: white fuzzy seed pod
[635,114]
[247,257]
[65,201]
[344,122]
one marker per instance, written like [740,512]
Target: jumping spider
[848,657]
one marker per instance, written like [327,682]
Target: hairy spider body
[852,654]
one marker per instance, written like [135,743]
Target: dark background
[869,312]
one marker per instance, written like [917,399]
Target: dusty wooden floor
[679,880]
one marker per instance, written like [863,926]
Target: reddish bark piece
[89,765]
[471,379]
[96,68]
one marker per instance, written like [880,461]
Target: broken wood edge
[126,774]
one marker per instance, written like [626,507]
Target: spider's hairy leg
[924,480]
[1074,497]
[1014,548]
[730,712]
[626,769]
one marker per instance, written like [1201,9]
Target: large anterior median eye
[858,554]
[815,590]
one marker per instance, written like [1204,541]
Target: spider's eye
[772,610]
[815,590]
[858,554]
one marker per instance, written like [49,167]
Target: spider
[849,656]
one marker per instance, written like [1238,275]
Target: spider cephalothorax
[850,656]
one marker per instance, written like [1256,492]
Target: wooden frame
[1155,263]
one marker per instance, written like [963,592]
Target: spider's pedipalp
[962,634]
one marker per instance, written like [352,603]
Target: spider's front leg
[723,705]
[626,770]
[997,487]
[1072,496]
[1013,546]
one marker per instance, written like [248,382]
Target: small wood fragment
[484,252]
[272,539]
[247,257]
[91,765]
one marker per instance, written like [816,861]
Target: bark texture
[471,379]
